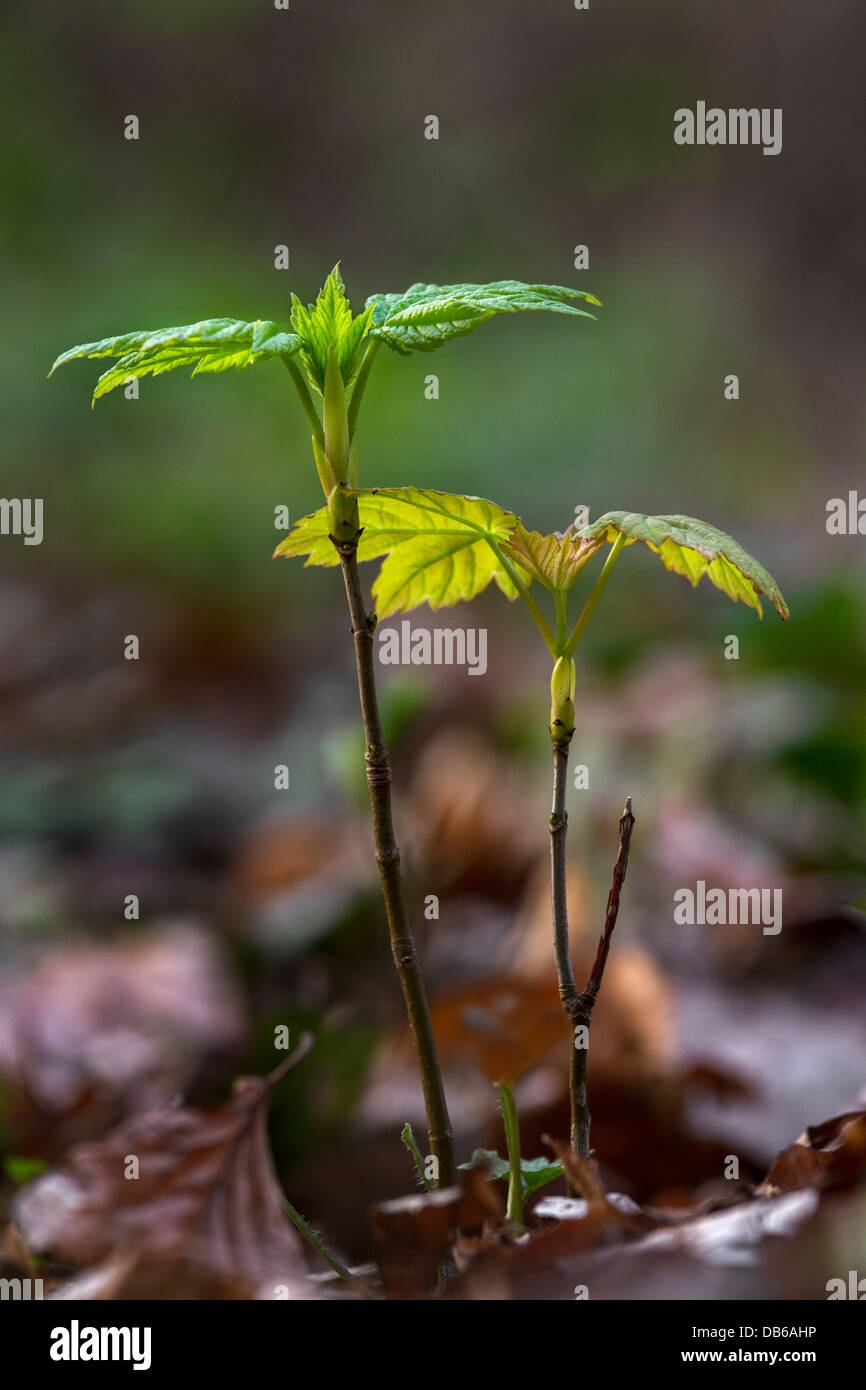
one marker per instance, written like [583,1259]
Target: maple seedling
[329,353]
[441,548]
[526,1176]
[688,547]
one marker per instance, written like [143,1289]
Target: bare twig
[581,1012]
[612,909]
[304,1047]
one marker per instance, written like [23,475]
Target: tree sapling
[441,548]
[329,354]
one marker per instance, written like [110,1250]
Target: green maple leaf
[329,323]
[426,316]
[214,345]
[535,1173]
[694,548]
[440,547]
[422,317]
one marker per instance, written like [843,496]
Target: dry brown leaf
[581,1173]
[412,1234]
[205,1206]
[505,1026]
[135,1277]
[831,1154]
[131,1022]
[615,1252]
[514,1271]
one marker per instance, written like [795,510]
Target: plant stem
[597,590]
[559,900]
[408,1138]
[306,401]
[568,992]
[537,616]
[304,1046]
[582,1012]
[344,519]
[560,600]
[388,859]
[361,383]
[317,1243]
[514,1209]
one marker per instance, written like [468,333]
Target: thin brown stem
[558,890]
[388,859]
[612,910]
[582,1012]
[561,951]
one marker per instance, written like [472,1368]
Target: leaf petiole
[597,590]
[361,382]
[306,401]
[560,599]
[537,616]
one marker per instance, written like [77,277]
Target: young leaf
[437,546]
[215,345]
[425,316]
[555,561]
[693,548]
[535,1173]
[498,1166]
[329,323]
